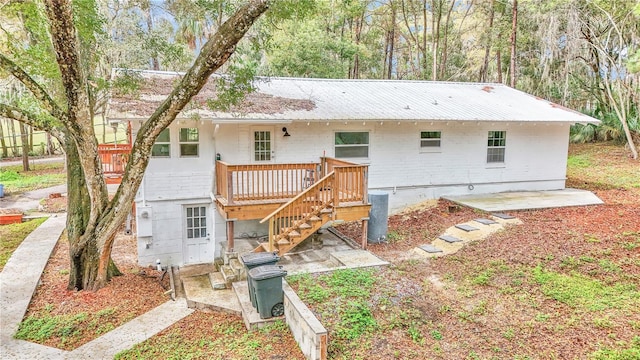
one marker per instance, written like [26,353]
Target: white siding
[535,159]
[535,156]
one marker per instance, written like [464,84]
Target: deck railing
[263,181]
[345,184]
[114,157]
[237,183]
[300,209]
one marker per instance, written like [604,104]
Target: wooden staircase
[302,216]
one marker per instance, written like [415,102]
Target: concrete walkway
[18,282]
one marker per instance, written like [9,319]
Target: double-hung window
[497,142]
[430,141]
[352,144]
[189,139]
[162,146]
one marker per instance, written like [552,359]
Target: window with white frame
[497,142]
[196,222]
[162,146]
[430,140]
[351,144]
[262,145]
[189,139]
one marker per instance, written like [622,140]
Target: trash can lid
[267,272]
[259,258]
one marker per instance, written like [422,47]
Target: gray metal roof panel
[395,100]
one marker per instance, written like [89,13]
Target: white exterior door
[198,247]
[262,149]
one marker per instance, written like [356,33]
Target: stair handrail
[305,192]
[288,215]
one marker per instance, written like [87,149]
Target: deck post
[365,223]
[230,243]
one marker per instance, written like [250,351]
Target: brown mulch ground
[137,291]
[455,318]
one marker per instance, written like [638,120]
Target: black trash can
[253,260]
[267,283]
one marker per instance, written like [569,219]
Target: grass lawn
[12,235]
[16,181]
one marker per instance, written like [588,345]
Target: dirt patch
[53,204]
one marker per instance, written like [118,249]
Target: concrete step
[217,281]
[238,267]
[228,274]
[200,295]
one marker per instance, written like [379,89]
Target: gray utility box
[378,217]
[253,260]
[267,287]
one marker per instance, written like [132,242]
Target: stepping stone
[503,216]
[449,238]
[430,249]
[485,221]
[466,227]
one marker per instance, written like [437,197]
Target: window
[162,146]
[189,142]
[352,144]
[496,145]
[262,145]
[430,140]
[196,222]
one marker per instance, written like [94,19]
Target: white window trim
[271,140]
[163,143]
[360,158]
[496,164]
[429,149]
[180,143]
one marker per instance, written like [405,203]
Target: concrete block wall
[307,330]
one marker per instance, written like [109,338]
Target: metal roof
[392,100]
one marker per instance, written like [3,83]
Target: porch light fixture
[284,130]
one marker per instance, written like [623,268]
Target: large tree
[93,218]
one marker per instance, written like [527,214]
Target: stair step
[315,218]
[283,242]
[294,233]
[304,226]
[228,274]
[238,267]
[217,281]
[326,211]
[263,247]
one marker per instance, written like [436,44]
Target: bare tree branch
[38,92]
[14,113]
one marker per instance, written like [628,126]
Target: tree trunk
[487,50]
[392,37]
[514,31]
[499,65]
[24,139]
[30,129]
[435,23]
[86,258]
[5,153]
[13,139]
[443,61]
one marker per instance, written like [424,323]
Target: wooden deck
[249,192]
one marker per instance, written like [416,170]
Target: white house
[416,140]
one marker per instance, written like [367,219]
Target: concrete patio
[527,200]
